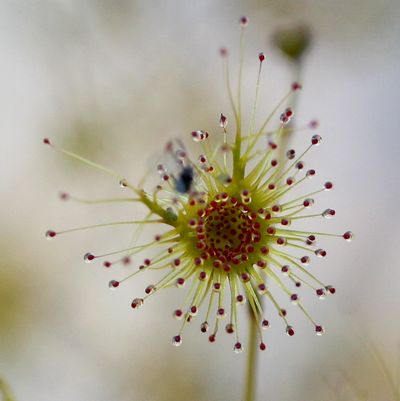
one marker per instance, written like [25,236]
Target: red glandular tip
[261,57]
[88,257]
[348,235]
[177,340]
[223,121]
[113,284]
[319,330]
[263,347]
[244,21]
[316,140]
[204,327]
[46,141]
[50,234]
[223,51]
[296,86]
[238,347]
[290,331]
[64,196]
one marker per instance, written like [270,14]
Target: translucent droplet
[290,331]
[88,257]
[316,140]
[305,260]
[290,154]
[177,340]
[294,299]
[244,21]
[262,289]
[193,310]
[285,270]
[308,202]
[199,136]
[310,173]
[284,119]
[202,159]
[221,313]
[265,324]
[137,303]
[150,289]
[123,183]
[240,299]
[321,253]
[238,348]
[204,327]
[161,169]
[50,234]
[223,121]
[328,213]
[113,284]
[348,236]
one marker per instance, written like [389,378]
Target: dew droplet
[193,310]
[223,121]
[113,284]
[308,202]
[198,136]
[137,303]
[240,299]
[204,327]
[291,154]
[221,313]
[88,257]
[284,119]
[265,324]
[161,169]
[316,140]
[244,21]
[177,340]
[150,289]
[230,328]
[328,213]
[290,331]
[50,234]
[238,348]
[305,260]
[261,288]
[321,253]
[123,183]
[348,236]
[178,314]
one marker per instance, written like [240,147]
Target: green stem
[288,131]
[5,391]
[251,368]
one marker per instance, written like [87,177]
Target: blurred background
[113,81]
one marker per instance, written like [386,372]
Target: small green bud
[293,41]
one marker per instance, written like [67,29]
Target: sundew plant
[227,218]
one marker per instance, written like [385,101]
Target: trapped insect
[184,181]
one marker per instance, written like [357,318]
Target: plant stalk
[251,366]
